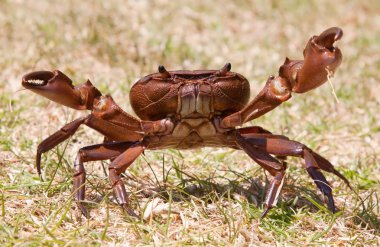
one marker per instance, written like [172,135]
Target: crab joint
[278,88]
[164,126]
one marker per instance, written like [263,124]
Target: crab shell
[189,93]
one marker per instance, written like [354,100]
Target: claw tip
[329,36]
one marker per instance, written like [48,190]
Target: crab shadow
[246,191]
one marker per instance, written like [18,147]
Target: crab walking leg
[272,165]
[109,130]
[97,152]
[56,138]
[313,161]
[255,131]
[118,166]
[299,76]
[277,145]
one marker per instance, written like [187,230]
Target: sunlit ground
[207,197]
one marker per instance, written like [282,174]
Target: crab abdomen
[189,94]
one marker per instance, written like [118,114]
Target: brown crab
[192,109]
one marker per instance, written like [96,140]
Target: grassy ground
[207,197]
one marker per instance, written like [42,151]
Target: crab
[192,109]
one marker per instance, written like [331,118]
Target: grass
[210,197]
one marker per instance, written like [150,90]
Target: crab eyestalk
[59,88]
[320,59]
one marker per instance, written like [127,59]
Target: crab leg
[254,131]
[313,162]
[281,145]
[97,152]
[56,138]
[118,166]
[110,131]
[272,165]
[299,76]
[108,110]
[59,88]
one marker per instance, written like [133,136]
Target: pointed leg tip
[265,212]
[331,203]
[129,211]
[333,209]
[83,210]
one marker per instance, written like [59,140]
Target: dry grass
[203,197]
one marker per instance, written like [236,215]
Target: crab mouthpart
[37,79]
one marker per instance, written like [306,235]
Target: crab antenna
[164,73]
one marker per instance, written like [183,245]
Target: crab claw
[57,87]
[320,59]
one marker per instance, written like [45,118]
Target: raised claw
[57,87]
[320,59]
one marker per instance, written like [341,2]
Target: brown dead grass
[210,196]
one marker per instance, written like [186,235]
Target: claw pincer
[320,59]
[59,88]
